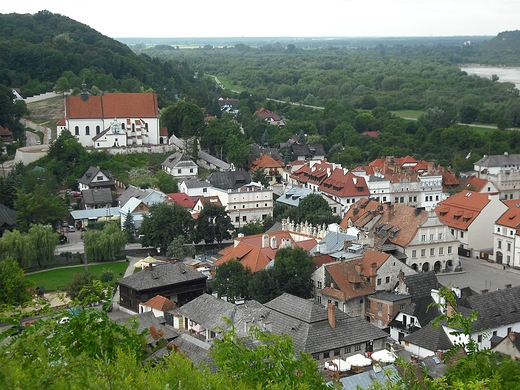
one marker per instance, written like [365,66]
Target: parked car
[72,228]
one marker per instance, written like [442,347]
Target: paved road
[481,275]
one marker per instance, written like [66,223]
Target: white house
[180,165]
[506,245]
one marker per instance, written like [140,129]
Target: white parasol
[359,360]
[337,365]
[384,356]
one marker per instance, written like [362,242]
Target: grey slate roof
[389,296]
[293,196]
[333,242]
[421,309]
[429,338]
[147,320]
[306,321]
[131,192]
[230,180]
[193,182]
[90,176]
[210,311]
[495,308]
[498,160]
[7,216]
[178,159]
[196,350]
[420,285]
[213,160]
[98,196]
[161,274]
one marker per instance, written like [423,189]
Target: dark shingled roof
[430,338]
[159,275]
[97,196]
[196,350]
[147,320]
[495,308]
[420,285]
[306,321]
[230,180]
[7,216]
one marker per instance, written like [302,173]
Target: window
[347,349]
[452,232]
[379,323]
[449,250]
[319,299]
[179,170]
[499,244]
[415,198]
[237,219]
[511,232]
[432,251]
[479,338]
[87,130]
[379,307]
[402,306]
[384,198]
[319,284]
[441,250]
[437,197]
[423,252]
[414,253]
[387,279]
[409,199]
[368,303]
[379,281]
[401,199]
[423,237]
[98,130]
[123,125]
[440,236]
[204,190]
[357,347]
[336,303]
[431,237]
[461,234]
[498,230]
[191,170]
[396,200]
[99,178]
[244,218]
[509,246]
[76,130]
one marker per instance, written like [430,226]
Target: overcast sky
[282,18]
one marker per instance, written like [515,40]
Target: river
[505,74]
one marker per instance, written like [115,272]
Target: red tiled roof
[511,218]
[112,105]
[182,199]
[266,114]
[344,184]
[475,182]
[163,132]
[266,161]
[460,210]
[348,284]
[371,257]
[372,134]
[61,122]
[160,303]
[364,208]
[248,250]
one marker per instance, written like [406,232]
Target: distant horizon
[284,18]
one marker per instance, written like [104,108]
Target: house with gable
[177,282]
[344,187]
[95,178]
[157,305]
[307,152]
[182,199]
[311,174]
[270,117]
[180,165]
[7,219]
[6,135]
[506,242]
[112,119]
[272,168]
[140,205]
[97,198]
[202,201]
[477,184]
[419,313]
[510,346]
[470,217]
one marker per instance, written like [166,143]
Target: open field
[414,114]
[47,112]
[57,278]
[228,84]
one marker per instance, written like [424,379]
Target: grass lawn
[409,113]
[57,278]
[228,84]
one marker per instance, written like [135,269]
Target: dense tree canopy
[213,224]
[232,281]
[14,287]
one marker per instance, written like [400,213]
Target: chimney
[439,354]
[512,336]
[507,286]
[373,267]
[484,291]
[332,315]
[449,310]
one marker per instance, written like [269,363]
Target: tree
[78,282]
[129,227]
[43,241]
[213,224]
[232,280]
[293,269]
[14,287]
[259,176]
[315,210]
[183,112]
[16,246]
[252,227]
[163,223]
[273,363]
[106,244]
[39,207]
[179,249]
[166,182]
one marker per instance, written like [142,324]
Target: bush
[106,276]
